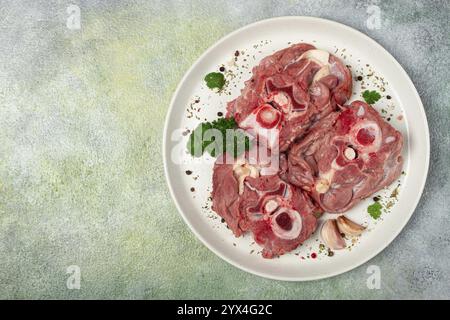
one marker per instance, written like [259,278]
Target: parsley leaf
[196,144]
[371,96]
[224,123]
[215,80]
[217,137]
[375,210]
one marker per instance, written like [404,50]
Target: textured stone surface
[81,174]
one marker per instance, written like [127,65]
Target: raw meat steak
[346,157]
[279,215]
[289,91]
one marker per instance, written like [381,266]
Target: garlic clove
[348,227]
[331,236]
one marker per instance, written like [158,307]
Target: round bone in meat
[350,153]
[286,223]
[268,117]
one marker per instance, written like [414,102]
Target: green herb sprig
[217,137]
[371,96]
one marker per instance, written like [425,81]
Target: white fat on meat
[357,187]
[283,100]
[335,70]
[324,181]
[335,166]
[270,206]
[374,129]
[242,170]
[321,57]
[389,139]
[315,91]
[360,112]
[304,68]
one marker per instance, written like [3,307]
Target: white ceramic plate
[255,41]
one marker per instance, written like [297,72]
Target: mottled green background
[81,174]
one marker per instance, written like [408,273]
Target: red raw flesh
[268,117]
[365,137]
[345,121]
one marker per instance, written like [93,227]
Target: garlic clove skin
[331,236]
[349,227]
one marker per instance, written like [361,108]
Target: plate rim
[234,263]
